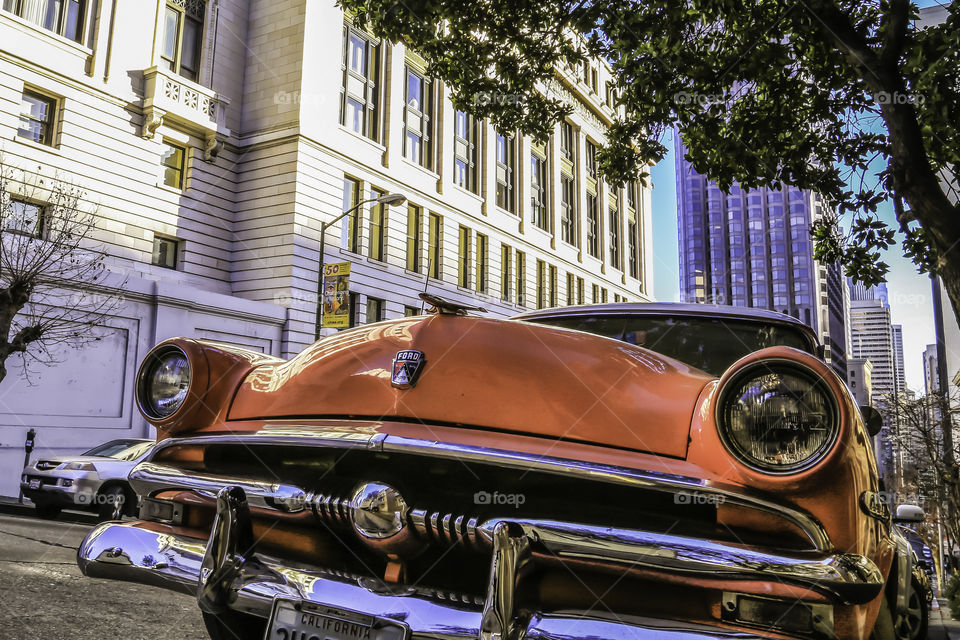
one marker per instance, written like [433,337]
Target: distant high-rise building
[872,339]
[859,377]
[859,292]
[899,372]
[752,248]
[931,377]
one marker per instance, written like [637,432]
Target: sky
[911,298]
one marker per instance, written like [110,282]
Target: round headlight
[778,418]
[164,382]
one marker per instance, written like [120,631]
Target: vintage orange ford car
[688,473]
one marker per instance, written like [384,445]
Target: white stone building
[215,137]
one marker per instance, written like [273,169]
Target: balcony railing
[195,109]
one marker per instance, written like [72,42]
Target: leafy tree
[51,293]
[848,98]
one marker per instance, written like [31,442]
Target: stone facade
[258,113]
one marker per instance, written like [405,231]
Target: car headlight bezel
[146,379]
[755,371]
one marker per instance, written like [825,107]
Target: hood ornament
[407,366]
[446,307]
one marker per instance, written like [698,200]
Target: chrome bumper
[124,551]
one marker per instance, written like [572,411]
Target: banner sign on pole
[336,295]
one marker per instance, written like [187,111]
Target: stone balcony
[174,100]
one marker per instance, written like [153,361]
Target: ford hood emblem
[406,368]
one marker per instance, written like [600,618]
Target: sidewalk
[10,506]
[942,626]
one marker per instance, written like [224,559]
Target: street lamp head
[391,199]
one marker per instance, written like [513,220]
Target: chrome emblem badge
[406,368]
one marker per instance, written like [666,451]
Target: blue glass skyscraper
[752,248]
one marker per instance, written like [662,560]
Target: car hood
[494,374]
[58,460]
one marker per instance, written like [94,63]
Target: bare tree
[51,271]
[927,474]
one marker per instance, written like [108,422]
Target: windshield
[120,449]
[709,344]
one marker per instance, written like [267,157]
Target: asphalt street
[44,595]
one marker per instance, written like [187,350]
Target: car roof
[670,309]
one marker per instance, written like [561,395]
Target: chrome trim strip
[148,479]
[126,551]
[309,435]
[853,579]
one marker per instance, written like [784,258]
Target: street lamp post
[386,199]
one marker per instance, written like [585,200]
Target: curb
[11,506]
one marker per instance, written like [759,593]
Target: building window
[418,120]
[506,272]
[351,196]
[63,17]
[25,218]
[37,118]
[593,226]
[361,73]
[603,295]
[571,288]
[434,243]
[614,232]
[173,161]
[538,188]
[595,293]
[553,286]
[182,34]
[414,222]
[633,231]
[374,309]
[610,95]
[541,284]
[566,140]
[506,165]
[409,312]
[354,306]
[465,132]
[463,274]
[481,281]
[579,290]
[165,252]
[378,226]
[590,160]
[521,278]
[568,223]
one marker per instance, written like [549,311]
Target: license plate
[35,484]
[294,620]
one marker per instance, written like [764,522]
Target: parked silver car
[94,481]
